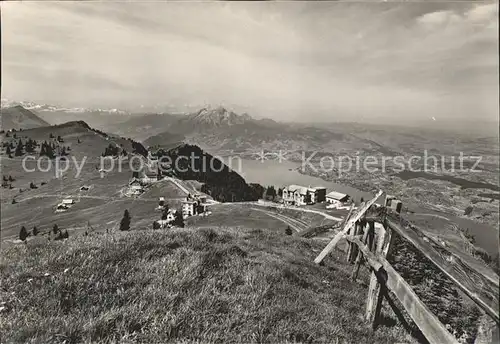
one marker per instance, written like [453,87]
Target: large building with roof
[300,195]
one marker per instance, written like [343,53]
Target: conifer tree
[19,148]
[23,234]
[125,222]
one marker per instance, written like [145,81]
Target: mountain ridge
[17,117]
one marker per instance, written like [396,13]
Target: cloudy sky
[323,60]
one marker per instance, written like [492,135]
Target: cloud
[282,60]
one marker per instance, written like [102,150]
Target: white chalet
[296,195]
[189,208]
[337,198]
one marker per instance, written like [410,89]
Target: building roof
[336,195]
[66,201]
[318,188]
[301,189]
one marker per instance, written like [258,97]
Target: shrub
[178,219]
[125,222]
[288,230]
[23,233]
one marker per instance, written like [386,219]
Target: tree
[8,151]
[23,234]
[33,186]
[178,219]
[19,148]
[156,225]
[79,140]
[30,146]
[270,193]
[280,192]
[55,229]
[35,231]
[288,230]
[125,222]
[11,179]
[65,234]
[51,136]
[164,215]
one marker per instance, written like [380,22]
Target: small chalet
[394,204]
[337,198]
[194,205]
[150,177]
[65,204]
[189,208]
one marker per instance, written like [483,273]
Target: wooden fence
[374,246]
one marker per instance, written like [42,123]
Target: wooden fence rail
[373,246]
[474,284]
[387,277]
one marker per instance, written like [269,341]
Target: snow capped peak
[46,107]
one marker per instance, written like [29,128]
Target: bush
[125,222]
[35,231]
[288,230]
[178,219]
[156,225]
[55,229]
[23,233]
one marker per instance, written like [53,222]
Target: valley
[245,156]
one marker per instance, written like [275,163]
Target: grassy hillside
[188,285]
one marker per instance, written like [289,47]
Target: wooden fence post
[382,248]
[352,249]
[359,256]
[488,331]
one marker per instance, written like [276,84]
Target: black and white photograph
[249,172]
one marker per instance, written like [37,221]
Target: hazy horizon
[395,62]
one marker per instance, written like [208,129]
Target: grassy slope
[228,285]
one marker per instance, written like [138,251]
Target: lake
[280,174]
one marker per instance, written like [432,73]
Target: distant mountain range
[220,130]
[6,103]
